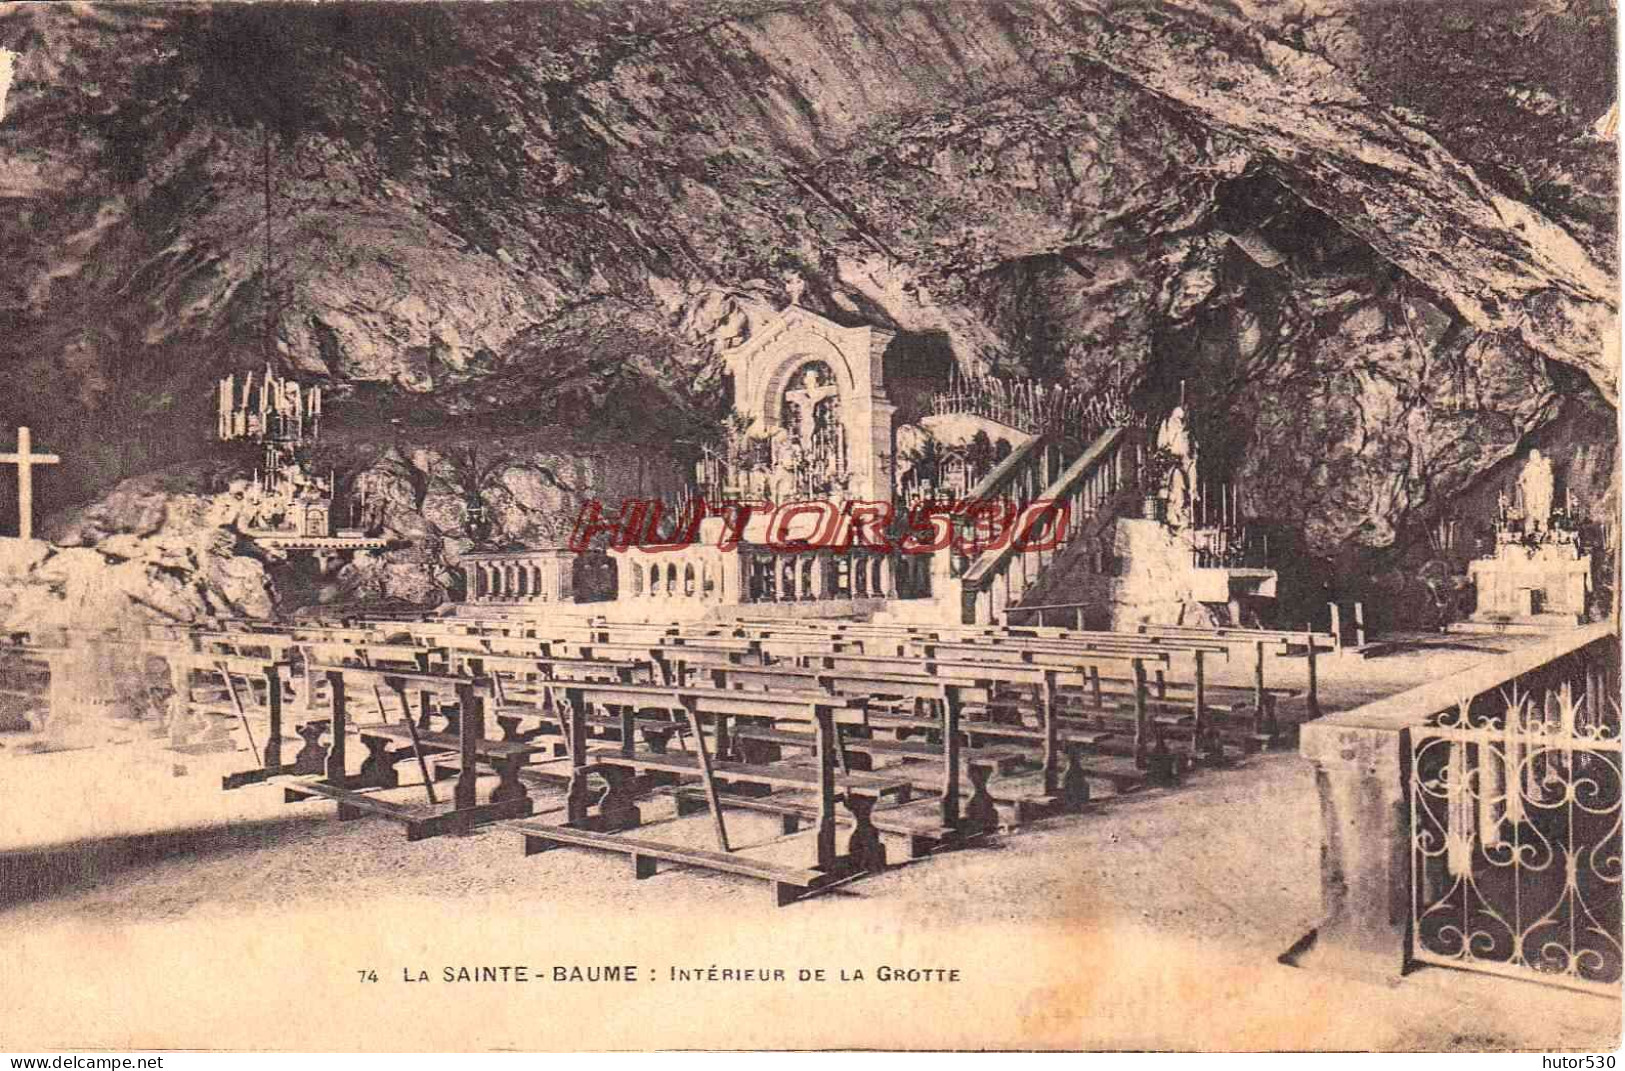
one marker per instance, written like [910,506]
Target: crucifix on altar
[25,460]
[806,402]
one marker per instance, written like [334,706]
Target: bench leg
[687,805]
[758,752]
[981,816]
[1074,785]
[920,846]
[618,809]
[378,768]
[1162,765]
[312,758]
[657,740]
[537,845]
[864,851]
[643,866]
[348,813]
[508,786]
[785,893]
[790,823]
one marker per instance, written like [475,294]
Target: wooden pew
[356,794]
[622,766]
[1045,682]
[949,697]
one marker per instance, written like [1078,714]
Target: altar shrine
[286,506]
[812,416]
[1538,574]
[833,468]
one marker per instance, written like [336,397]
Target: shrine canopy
[812,393]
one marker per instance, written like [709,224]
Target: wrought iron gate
[1515,842]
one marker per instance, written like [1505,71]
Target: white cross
[25,460]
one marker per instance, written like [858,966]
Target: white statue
[1535,485]
[1175,437]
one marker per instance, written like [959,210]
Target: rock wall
[1376,239]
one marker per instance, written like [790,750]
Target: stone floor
[142,906]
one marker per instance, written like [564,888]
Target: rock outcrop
[157,550]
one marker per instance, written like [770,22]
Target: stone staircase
[1095,487]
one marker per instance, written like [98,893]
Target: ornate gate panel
[1515,843]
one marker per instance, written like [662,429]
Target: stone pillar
[562,585]
[819,560]
[1365,846]
[1361,760]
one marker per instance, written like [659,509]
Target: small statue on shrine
[1175,438]
[1535,484]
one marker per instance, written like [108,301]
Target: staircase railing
[1085,489]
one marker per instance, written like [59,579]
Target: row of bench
[781,722]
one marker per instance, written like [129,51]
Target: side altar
[1539,573]
[287,507]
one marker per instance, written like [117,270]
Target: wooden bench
[507,800]
[788,883]
[625,766]
[952,693]
[1045,680]
[923,833]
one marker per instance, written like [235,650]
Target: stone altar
[1549,580]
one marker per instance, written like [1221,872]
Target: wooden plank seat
[543,667]
[923,833]
[1059,638]
[628,770]
[1243,636]
[1088,754]
[1002,761]
[982,654]
[491,750]
[656,732]
[378,655]
[788,883]
[777,775]
[420,823]
[1215,742]
[1064,790]
[1085,679]
[973,685]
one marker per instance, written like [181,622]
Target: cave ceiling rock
[1502,264]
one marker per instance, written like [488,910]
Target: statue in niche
[1535,486]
